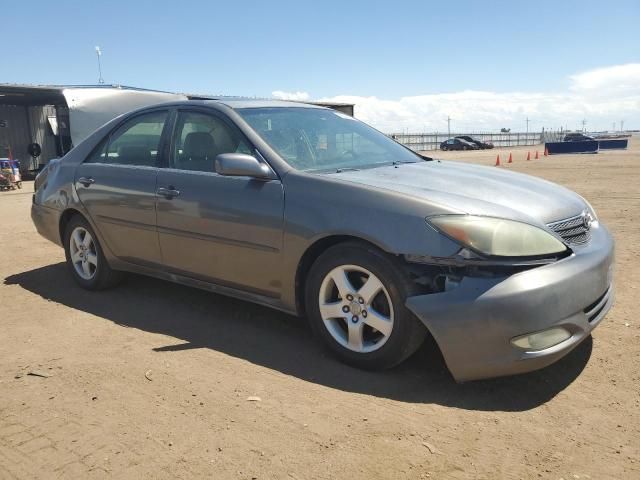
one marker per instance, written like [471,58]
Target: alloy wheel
[356,308]
[84,256]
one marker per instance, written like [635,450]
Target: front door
[227,230]
[117,186]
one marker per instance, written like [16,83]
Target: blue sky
[322,49]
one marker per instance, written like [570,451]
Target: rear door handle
[86,181]
[168,192]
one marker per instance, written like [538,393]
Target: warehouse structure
[32,115]
[58,117]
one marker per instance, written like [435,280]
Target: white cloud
[609,79]
[298,96]
[601,96]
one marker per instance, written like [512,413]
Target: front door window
[200,138]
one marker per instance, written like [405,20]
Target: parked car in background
[481,145]
[310,211]
[577,137]
[458,144]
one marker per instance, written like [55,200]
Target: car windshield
[315,139]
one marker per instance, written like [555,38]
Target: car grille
[574,230]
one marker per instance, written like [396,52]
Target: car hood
[453,187]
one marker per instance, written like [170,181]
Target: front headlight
[497,236]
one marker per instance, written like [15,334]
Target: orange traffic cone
[510,158]
[536,157]
[546,152]
[528,156]
[498,161]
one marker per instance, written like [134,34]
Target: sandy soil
[151,380]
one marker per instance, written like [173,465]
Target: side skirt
[264,300]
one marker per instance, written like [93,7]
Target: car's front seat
[199,152]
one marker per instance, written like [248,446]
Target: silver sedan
[312,212]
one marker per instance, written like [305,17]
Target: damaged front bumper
[476,321]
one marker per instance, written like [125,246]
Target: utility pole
[584,123]
[99,54]
[527,127]
[621,125]
[449,125]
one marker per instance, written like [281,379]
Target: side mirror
[241,165]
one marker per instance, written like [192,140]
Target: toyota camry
[310,211]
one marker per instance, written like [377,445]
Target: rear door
[117,186]
[227,230]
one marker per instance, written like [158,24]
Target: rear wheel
[85,259]
[355,301]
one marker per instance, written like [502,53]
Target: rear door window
[136,142]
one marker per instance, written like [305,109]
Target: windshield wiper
[396,162]
[347,169]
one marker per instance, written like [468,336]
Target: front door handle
[86,181]
[168,192]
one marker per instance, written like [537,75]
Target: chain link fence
[421,142]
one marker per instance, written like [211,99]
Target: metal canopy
[90,106]
[31,96]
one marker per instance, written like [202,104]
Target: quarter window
[200,138]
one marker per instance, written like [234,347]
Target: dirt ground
[151,379]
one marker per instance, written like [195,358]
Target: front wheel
[355,302]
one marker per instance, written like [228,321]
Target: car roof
[239,103]
[230,102]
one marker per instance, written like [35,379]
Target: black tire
[444,149]
[408,332]
[104,276]
[464,147]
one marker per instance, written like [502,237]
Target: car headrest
[225,140]
[199,145]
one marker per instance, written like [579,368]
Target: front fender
[318,206]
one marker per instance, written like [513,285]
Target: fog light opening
[542,340]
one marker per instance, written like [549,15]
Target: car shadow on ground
[284,343]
